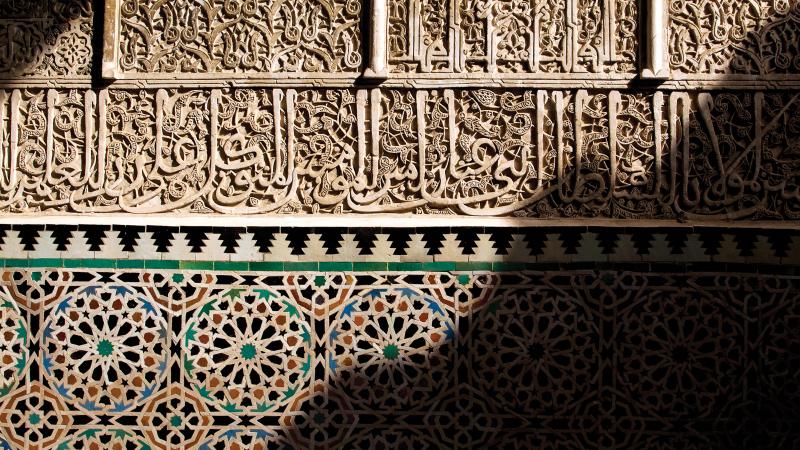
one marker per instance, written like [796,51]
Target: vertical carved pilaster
[571,44]
[457,39]
[5,151]
[102,139]
[541,100]
[89,136]
[378,51]
[361,159]
[280,147]
[614,105]
[422,126]
[375,105]
[762,129]
[679,120]
[213,139]
[657,65]
[658,121]
[110,38]
[560,108]
[51,117]
[291,96]
[13,142]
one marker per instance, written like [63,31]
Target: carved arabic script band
[479,152]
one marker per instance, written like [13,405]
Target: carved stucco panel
[725,37]
[513,36]
[223,36]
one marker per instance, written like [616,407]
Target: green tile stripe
[231,265]
[336,267]
[196,265]
[262,266]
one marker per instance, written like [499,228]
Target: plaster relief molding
[657,66]
[501,37]
[378,58]
[734,43]
[410,40]
[420,43]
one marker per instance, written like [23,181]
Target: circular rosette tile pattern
[534,351]
[13,346]
[105,348]
[175,419]
[320,418]
[391,347]
[248,351]
[250,439]
[681,354]
[105,438]
[32,418]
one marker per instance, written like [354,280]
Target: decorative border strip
[52,44]
[437,248]
[308,267]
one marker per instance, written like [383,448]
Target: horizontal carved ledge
[499,153]
[386,221]
[742,83]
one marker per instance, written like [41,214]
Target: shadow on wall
[566,358]
[48,38]
[562,359]
[743,159]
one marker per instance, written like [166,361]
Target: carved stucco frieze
[459,148]
[319,38]
[690,43]
[479,152]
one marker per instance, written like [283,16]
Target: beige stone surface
[504,108]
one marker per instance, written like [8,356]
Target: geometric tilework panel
[96,358]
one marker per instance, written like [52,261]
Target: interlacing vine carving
[601,119]
[733,37]
[229,36]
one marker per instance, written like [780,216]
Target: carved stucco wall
[230,224]
[522,109]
